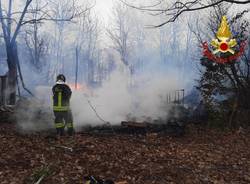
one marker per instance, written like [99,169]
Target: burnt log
[131,124]
[135,127]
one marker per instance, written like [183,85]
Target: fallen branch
[65,147]
[40,179]
[40,174]
[135,124]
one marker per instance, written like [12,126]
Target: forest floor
[204,156]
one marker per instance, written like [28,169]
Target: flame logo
[224,42]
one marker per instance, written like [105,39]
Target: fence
[176,97]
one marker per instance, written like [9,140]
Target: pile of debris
[132,127]
[174,124]
[6,113]
[33,115]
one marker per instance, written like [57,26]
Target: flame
[81,87]
[77,86]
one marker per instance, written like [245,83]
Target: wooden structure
[176,97]
[3,91]
[5,108]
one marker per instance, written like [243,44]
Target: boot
[71,131]
[60,131]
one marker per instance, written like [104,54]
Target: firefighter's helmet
[61,77]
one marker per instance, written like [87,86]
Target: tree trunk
[90,72]
[76,71]
[12,57]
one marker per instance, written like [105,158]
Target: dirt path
[204,157]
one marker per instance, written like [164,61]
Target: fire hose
[97,115]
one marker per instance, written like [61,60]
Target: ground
[204,156]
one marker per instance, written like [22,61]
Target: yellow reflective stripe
[59,125]
[70,125]
[59,107]
[56,108]
[60,99]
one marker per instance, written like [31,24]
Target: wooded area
[143,94]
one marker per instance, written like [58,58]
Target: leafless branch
[4,27]
[20,21]
[178,8]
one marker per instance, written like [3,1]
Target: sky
[103,9]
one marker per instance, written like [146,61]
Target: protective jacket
[61,97]
[61,107]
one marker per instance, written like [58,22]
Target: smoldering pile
[33,115]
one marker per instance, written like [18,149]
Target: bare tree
[172,10]
[86,45]
[119,33]
[37,43]
[62,10]
[10,42]
[15,20]
[128,38]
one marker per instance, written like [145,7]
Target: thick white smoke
[114,102]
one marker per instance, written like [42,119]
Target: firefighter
[61,106]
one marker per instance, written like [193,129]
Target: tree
[36,43]
[15,20]
[86,45]
[127,35]
[175,9]
[62,10]
[11,45]
[225,88]
[120,32]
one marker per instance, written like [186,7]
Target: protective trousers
[62,119]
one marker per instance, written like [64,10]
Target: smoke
[35,114]
[117,101]
[114,102]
